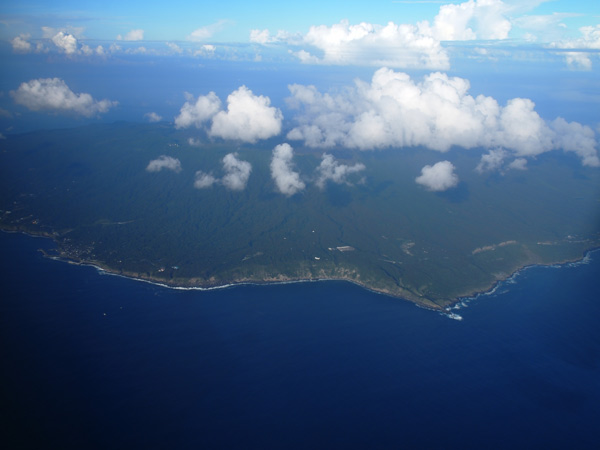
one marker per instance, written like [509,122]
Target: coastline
[463,301]
[454,304]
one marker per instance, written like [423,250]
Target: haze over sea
[93,361]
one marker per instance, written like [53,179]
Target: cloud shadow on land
[459,194]
[338,195]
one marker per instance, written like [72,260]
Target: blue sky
[514,79]
[232,21]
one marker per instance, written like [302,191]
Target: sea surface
[90,361]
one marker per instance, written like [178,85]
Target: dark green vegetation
[89,190]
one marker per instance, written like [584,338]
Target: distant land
[179,222]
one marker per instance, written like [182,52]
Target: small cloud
[578,60]
[248,118]
[5,113]
[203,33]
[331,170]
[88,51]
[174,47]
[53,94]
[577,138]
[133,35]
[492,161]
[141,50]
[204,180]
[237,172]
[153,117]
[194,142]
[439,177]
[260,36]
[67,43]
[589,40]
[470,20]
[287,181]
[164,162]
[20,44]
[197,112]
[265,37]
[205,50]
[50,32]
[518,164]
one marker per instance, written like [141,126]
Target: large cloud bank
[237,173]
[391,45]
[53,94]
[439,177]
[287,181]
[248,117]
[437,112]
[397,45]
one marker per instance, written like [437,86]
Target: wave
[497,289]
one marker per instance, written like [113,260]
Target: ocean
[94,361]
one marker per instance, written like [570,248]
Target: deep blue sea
[97,361]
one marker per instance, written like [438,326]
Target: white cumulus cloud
[397,45]
[205,32]
[492,161]
[518,164]
[65,42]
[164,162]
[589,40]
[248,117]
[437,112]
[197,112]
[174,47]
[287,181]
[394,45]
[576,138]
[439,177]
[133,35]
[206,50]
[237,172]
[20,44]
[204,180]
[474,19]
[53,94]
[153,117]
[332,170]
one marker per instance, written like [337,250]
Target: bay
[98,361]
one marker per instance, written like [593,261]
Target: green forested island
[177,221]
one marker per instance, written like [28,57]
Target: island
[151,202]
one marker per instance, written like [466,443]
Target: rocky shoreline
[212,284]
